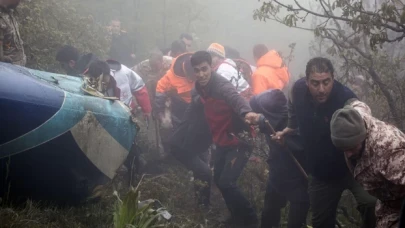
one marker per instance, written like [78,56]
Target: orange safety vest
[172,82]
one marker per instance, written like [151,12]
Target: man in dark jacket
[72,62]
[189,144]
[122,48]
[286,182]
[109,84]
[312,102]
[224,111]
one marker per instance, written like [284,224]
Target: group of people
[204,99]
[214,100]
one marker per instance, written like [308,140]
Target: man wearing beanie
[285,181]
[312,102]
[378,150]
[227,68]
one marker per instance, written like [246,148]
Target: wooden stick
[157,133]
[289,152]
[297,163]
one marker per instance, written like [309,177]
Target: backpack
[242,67]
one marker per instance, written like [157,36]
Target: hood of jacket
[273,105]
[181,66]
[271,59]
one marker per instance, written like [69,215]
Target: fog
[234,26]
[229,22]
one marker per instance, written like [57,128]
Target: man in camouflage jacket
[378,149]
[152,69]
[11,47]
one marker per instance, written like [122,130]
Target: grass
[37,215]
[130,211]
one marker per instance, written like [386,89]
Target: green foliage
[47,25]
[36,215]
[130,212]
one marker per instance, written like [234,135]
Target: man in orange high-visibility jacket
[271,73]
[176,84]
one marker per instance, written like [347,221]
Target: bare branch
[399,38]
[279,20]
[347,45]
[301,8]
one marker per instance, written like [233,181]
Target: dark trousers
[277,195]
[325,196]
[198,164]
[228,165]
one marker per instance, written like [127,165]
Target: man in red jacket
[227,114]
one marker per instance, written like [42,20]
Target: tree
[47,25]
[362,34]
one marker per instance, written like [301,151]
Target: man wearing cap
[173,95]
[176,84]
[227,68]
[378,150]
[285,182]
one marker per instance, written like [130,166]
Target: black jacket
[82,65]
[325,161]
[192,134]
[272,104]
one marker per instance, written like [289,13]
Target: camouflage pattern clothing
[149,76]
[13,50]
[146,72]
[381,167]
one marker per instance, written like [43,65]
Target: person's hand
[252,118]
[278,137]
[147,117]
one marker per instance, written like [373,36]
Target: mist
[228,22]
[233,25]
